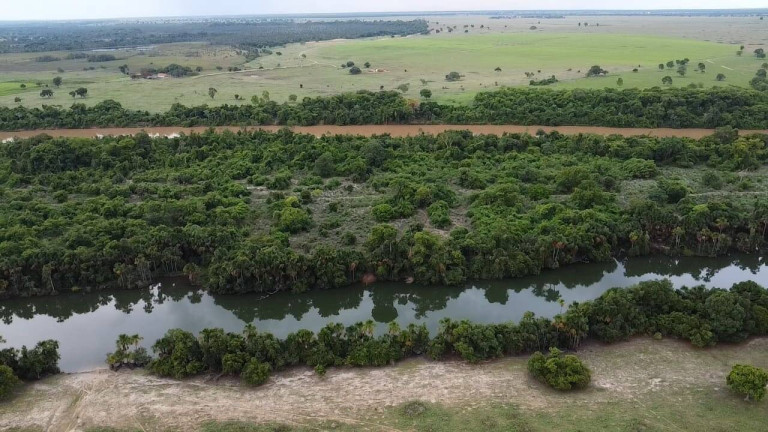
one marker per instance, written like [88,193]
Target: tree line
[248,33]
[260,211]
[702,316]
[648,108]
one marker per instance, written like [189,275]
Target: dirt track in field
[629,371]
[368,130]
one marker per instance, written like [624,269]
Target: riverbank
[642,384]
[370,130]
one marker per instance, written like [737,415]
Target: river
[87,324]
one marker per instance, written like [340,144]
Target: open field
[557,47]
[642,385]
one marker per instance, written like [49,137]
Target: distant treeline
[239,32]
[699,315]
[649,108]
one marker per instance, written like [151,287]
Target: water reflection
[87,324]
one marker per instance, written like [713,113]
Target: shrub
[640,168]
[256,373]
[293,220]
[383,213]
[8,381]
[561,372]
[748,380]
[439,214]
[179,355]
[712,180]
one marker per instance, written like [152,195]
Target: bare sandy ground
[136,400]
[368,130]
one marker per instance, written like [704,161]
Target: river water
[87,324]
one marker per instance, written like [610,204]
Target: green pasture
[314,69]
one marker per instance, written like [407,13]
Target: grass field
[556,47]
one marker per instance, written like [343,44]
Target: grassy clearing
[314,69]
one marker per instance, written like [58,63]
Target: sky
[89,9]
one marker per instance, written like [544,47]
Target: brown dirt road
[132,399]
[368,130]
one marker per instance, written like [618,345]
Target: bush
[712,180]
[640,168]
[561,372]
[8,381]
[179,355]
[439,214]
[748,380]
[256,373]
[383,213]
[293,220]
[38,362]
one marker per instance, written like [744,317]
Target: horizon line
[618,12]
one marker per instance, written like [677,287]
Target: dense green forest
[655,107]
[248,33]
[259,211]
[700,315]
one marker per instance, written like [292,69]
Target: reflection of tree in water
[384,298]
[65,306]
[333,301]
[496,293]
[428,299]
[699,268]
[753,263]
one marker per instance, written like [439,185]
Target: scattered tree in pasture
[57,81]
[426,93]
[720,77]
[292,98]
[404,87]
[620,82]
[667,80]
[681,70]
[749,381]
[596,71]
[498,69]
[453,76]
[354,70]
[46,93]
[702,67]
[670,64]
[350,63]
[17,99]
[212,92]
[760,53]
[367,65]
[81,91]
[739,53]
[73,94]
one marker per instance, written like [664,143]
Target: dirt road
[368,130]
[135,400]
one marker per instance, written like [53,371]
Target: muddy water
[368,130]
[86,325]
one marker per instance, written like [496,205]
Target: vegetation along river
[87,324]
